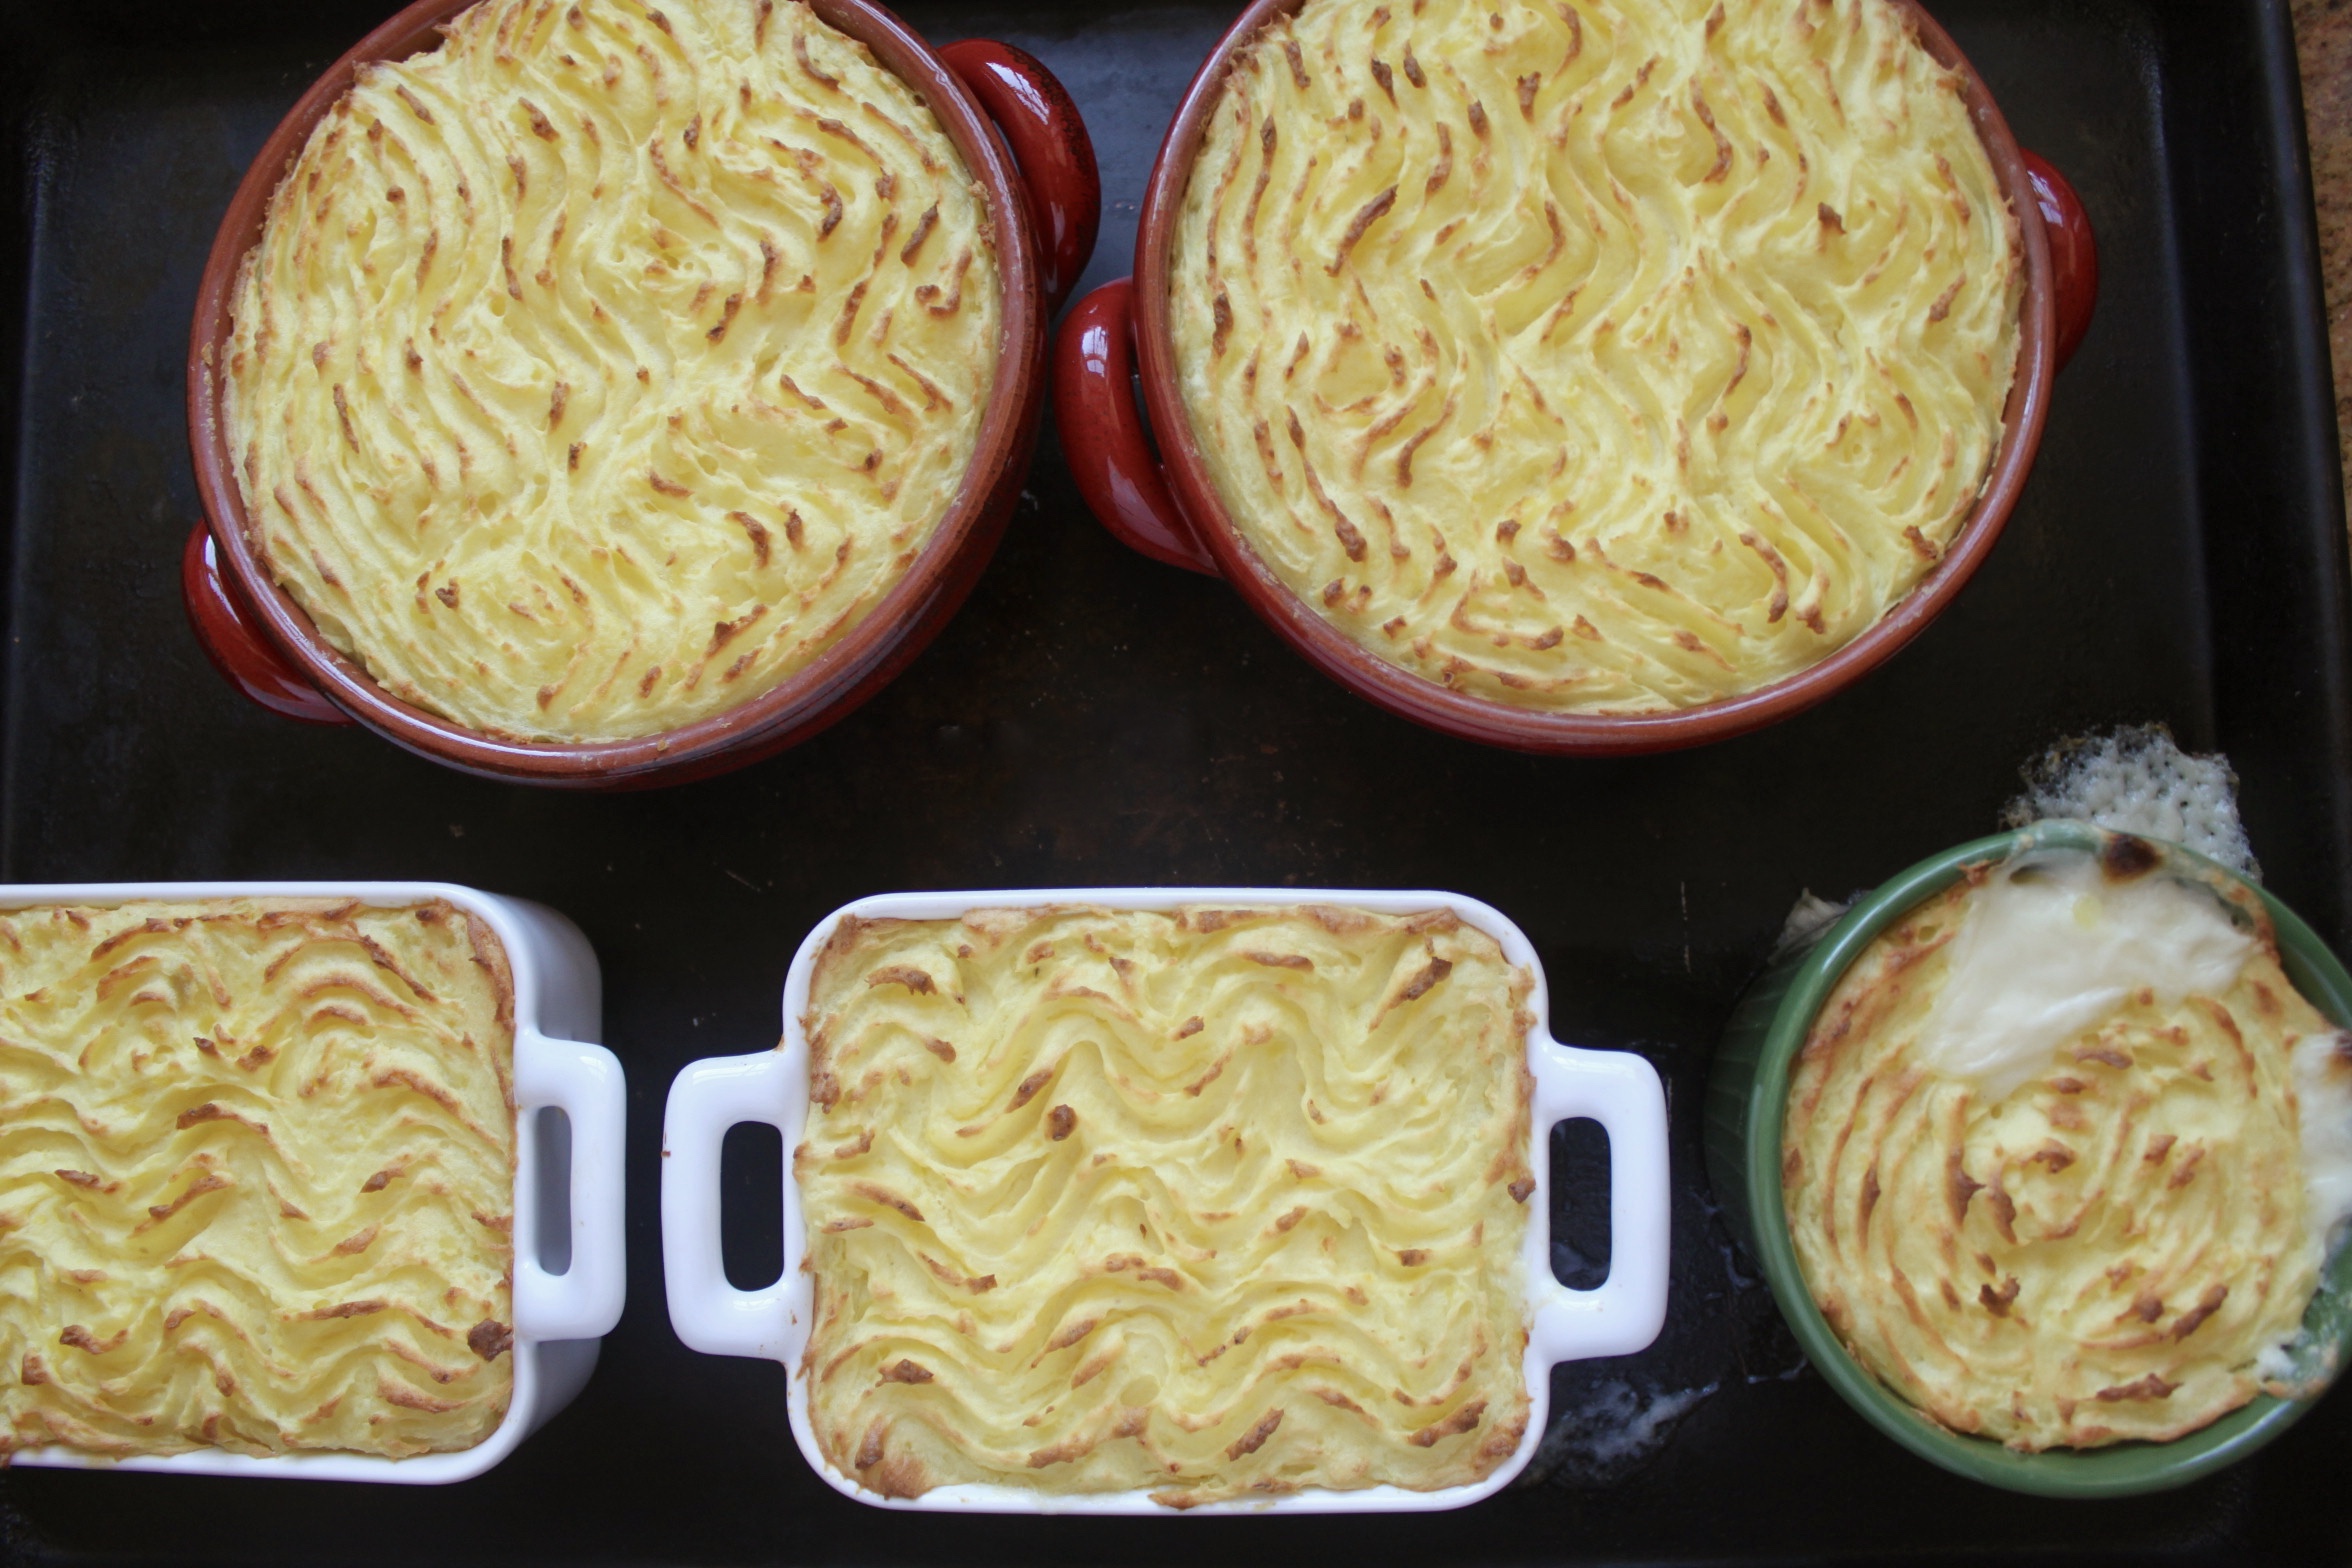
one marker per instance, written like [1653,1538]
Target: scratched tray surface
[1093,718]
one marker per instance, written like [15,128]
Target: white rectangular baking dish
[1619,1090]
[559,1318]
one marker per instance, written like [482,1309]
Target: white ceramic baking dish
[1619,1090]
[559,1318]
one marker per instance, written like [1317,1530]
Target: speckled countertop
[2323,37]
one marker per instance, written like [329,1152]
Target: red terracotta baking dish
[1023,140]
[1165,506]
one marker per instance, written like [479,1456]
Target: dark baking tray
[1093,718]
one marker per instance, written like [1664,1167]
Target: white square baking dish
[559,1318]
[1618,1089]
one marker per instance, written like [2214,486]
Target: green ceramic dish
[1748,1095]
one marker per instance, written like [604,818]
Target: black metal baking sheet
[1094,718]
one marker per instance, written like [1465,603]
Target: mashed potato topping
[1591,355]
[1216,1203]
[2116,1246]
[256,1178]
[599,369]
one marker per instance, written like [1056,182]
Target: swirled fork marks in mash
[1595,356]
[1217,1203]
[256,1178]
[601,368]
[2113,1241]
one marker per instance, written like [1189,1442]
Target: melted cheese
[1216,1204]
[256,1178]
[2323,1102]
[601,368]
[2050,950]
[1595,356]
[2114,1250]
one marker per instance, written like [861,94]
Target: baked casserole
[1589,356]
[602,368]
[1205,1203]
[2066,1152]
[256,1178]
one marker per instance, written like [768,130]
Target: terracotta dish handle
[240,652]
[1049,142]
[2074,254]
[1103,438]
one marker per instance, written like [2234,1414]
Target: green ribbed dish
[1747,1097]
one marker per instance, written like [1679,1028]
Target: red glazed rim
[1497,724]
[873,651]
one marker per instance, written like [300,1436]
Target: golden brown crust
[2104,1254]
[598,369]
[1595,357]
[1210,1204]
[286,1220]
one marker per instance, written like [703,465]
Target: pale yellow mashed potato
[1216,1204]
[601,368]
[1595,356]
[2113,1250]
[256,1179]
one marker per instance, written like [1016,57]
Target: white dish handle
[709,1097]
[585,1083]
[1620,1091]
